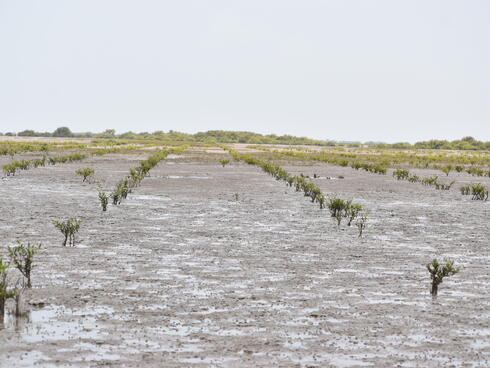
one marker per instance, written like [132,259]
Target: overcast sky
[391,70]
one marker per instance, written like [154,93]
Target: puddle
[185,177]
[57,323]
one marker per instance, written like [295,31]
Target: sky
[357,70]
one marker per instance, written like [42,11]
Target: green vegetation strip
[339,208]
[477,190]
[11,147]
[136,174]
[338,159]
[378,161]
[11,168]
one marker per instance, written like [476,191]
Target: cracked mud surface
[183,275]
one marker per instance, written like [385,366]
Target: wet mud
[185,274]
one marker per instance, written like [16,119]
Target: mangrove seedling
[5,293]
[104,200]
[224,162]
[447,169]
[21,256]
[120,191]
[479,192]
[438,271]
[361,222]
[321,200]
[465,190]
[86,173]
[18,296]
[352,211]
[68,228]
[401,174]
[337,208]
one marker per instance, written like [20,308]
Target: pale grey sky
[384,70]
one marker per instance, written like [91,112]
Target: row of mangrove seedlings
[477,190]
[13,167]
[419,158]
[136,174]
[11,148]
[374,160]
[339,208]
[431,181]
[337,160]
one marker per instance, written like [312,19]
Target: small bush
[401,174]
[68,228]
[465,190]
[337,207]
[224,162]
[361,222]
[120,192]
[479,192]
[439,271]
[21,256]
[104,200]
[352,212]
[412,178]
[442,186]
[5,293]
[430,181]
[447,169]
[475,171]
[85,173]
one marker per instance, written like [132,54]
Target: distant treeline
[211,136]
[466,143]
[223,136]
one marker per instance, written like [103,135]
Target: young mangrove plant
[68,228]
[479,192]
[361,222]
[447,169]
[442,186]
[430,180]
[224,162]
[438,271]
[120,192]
[21,256]
[412,178]
[401,174]
[18,296]
[138,173]
[337,207]
[352,211]
[5,293]
[465,190]
[85,173]
[104,200]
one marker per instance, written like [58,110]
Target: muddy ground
[182,274]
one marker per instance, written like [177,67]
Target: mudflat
[204,265]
